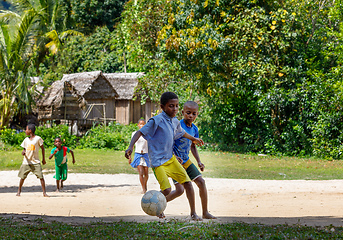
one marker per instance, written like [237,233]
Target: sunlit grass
[218,165]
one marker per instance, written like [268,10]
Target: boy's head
[141,123]
[170,103]
[30,129]
[190,112]
[58,142]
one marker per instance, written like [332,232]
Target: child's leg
[200,182]
[21,182]
[142,177]
[146,176]
[191,199]
[179,189]
[58,185]
[42,182]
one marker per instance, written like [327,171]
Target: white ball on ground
[153,203]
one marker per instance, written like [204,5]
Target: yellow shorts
[172,168]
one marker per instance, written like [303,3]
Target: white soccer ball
[153,203]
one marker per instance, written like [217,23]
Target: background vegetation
[267,74]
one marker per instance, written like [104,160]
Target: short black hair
[191,103]
[58,138]
[31,127]
[167,96]
[141,120]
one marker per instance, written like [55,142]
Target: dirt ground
[102,197]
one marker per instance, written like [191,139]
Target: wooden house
[79,96]
[94,96]
[128,103]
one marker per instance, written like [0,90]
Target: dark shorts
[25,169]
[192,171]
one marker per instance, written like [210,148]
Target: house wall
[97,111]
[122,114]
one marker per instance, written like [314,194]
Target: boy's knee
[166,191]
[179,189]
[200,182]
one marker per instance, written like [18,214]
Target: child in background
[31,162]
[181,151]
[141,158]
[61,167]
[160,132]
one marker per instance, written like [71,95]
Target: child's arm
[197,141]
[195,153]
[72,154]
[53,154]
[43,154]
[134,139]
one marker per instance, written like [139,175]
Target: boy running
[31,162]
[61,167]
[181,150]
[160,132]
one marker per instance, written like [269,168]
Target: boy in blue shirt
[161,132]
[181,150]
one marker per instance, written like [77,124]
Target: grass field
[218,165]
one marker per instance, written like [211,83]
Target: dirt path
[98,197]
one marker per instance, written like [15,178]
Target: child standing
[61,167]
[160,132]
[141,158]
[181,150]
[31,162]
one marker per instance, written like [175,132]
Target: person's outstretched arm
[72,154]
[195,153]
[197,141]
[43,153]
[134,139]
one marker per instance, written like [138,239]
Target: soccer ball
[153,203]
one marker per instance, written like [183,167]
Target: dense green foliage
[267,74]
[113,136]
[11,229]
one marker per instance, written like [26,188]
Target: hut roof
[124,83]
[79,84]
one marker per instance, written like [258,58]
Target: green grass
[218,165]
[38,229]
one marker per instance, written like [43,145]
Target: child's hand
[130,160]
[128,153]
[179,159]
[73,161]
[201,166]
[198,141]
[43,162]
[56,151]
[23,152]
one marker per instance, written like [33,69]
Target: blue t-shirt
[183,145]
[160,132]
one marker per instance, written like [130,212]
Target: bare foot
[195,217]
[57,190]
[161,215]
[207,215]
[18,194]
[45,195]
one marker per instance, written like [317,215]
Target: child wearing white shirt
[141,158]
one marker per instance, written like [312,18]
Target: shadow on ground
[321,221]
[52,188]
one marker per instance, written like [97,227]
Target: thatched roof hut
[128,105]
[66,97]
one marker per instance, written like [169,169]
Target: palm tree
[16,40]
